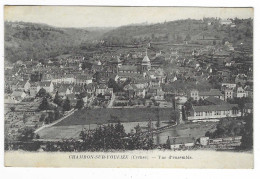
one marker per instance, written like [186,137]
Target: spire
[146,52]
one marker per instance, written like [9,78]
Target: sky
[93,16]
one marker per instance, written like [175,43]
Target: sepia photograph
[107,86]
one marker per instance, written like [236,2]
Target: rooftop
[223,107]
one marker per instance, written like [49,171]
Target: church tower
[146,64]
[119,63]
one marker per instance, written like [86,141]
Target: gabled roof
[212,92]
[128,68]
[17,93]
[215,100]
[102,86]
[223,107]
[129,75]
[45,83]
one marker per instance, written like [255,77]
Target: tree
[157,124]
[168,143]
[57,99]
[113,84]
[247,136]
[12,109]
[27,134]
[248,32]
[44,105]
[24,118]
[80,104]
[66,105]
[188,37]
[42,118]
[56,114]
[42,93]
[175,115]
[138,128]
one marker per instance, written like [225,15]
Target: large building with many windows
[214,112]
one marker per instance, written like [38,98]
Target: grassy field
[105,115]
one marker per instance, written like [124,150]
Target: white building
[214,112]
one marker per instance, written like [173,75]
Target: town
[169,91]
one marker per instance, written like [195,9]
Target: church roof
[146,59]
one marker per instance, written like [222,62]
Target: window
[198,113]
[217,113]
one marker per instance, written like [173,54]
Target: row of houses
[229,91]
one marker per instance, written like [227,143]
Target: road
[111,101]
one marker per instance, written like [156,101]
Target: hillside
[25,41]
[180,30]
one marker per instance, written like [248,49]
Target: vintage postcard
[162,87]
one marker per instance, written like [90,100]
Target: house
[90,88]
[228,85]
[228,94]
[248,108]
[101,89]
[155,82]
[214,112]
[84,79]
[78,89]
[9,99]
[64,89]
[214,101]
[33,89]
[157,74]
[23,85]
[15,97]
[47,85]
[141,83]
[213,92]
[124,76]
[225,22]
[240,92]
[68,79]
[140,92]
[128,69]
[249,91]
[194,94]
[181,142]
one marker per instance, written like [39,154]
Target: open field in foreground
[104,115]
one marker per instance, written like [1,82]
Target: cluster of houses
[218,105]
[144,77]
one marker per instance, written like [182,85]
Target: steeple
[146,64]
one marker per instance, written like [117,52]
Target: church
[146,63]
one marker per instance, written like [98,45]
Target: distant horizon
[114,17]
[142,23]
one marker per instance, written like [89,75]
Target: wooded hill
[24,41]
[180,30]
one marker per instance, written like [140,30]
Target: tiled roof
[215,100]
[129,75]
[212,92]
[128,68]
[45,83]
[223,107]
